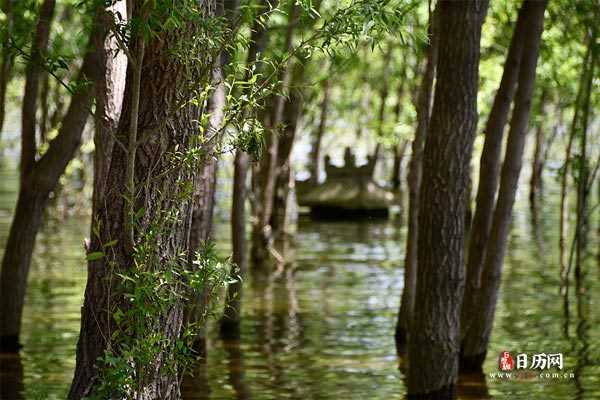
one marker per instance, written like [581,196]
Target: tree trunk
[489,168]
[435,330]
[415,171]
[536,180]
[204,197]
[317,137]
[38,180]
[474,347]
[284,174]
[397,170]
[383,95]
[583,182]
[34,70]
[44,108]
[264,173]
[6,65]
[565,265]
[229,326]
[168,125]
[230,323]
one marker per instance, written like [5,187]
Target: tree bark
[435,330]
[167,123]
[38,180]
[489,168]
[474,347]
[415,171]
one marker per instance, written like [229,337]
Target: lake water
[322,328]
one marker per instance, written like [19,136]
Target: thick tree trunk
[317,137]
[265,169]
[435,330]
[159,188]
[38,180]
[415,171]
[474,347]
[489,167]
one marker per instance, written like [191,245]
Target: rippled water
[322,327]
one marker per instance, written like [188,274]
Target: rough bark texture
[489,168]
[435,331]
[477,336]
[166,125]
[38,180]
[415,171]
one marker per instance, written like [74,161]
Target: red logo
[506,362]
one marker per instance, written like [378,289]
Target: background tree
[474,347]
[434,342]
[38,177]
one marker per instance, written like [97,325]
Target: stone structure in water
[348,192]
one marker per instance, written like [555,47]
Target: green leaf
[94,256]
[110,244]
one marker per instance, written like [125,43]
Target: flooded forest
[299,199]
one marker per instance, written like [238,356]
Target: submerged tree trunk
[38,180]
[168,126]
[489,168]
[565,265]
[284,173]
[536,182]
[264,171]
[435,330]
[415,171]
[475,343]
[203,197]
[229,326]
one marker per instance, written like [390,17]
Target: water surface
[322,326]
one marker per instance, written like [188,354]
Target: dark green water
[322,327]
